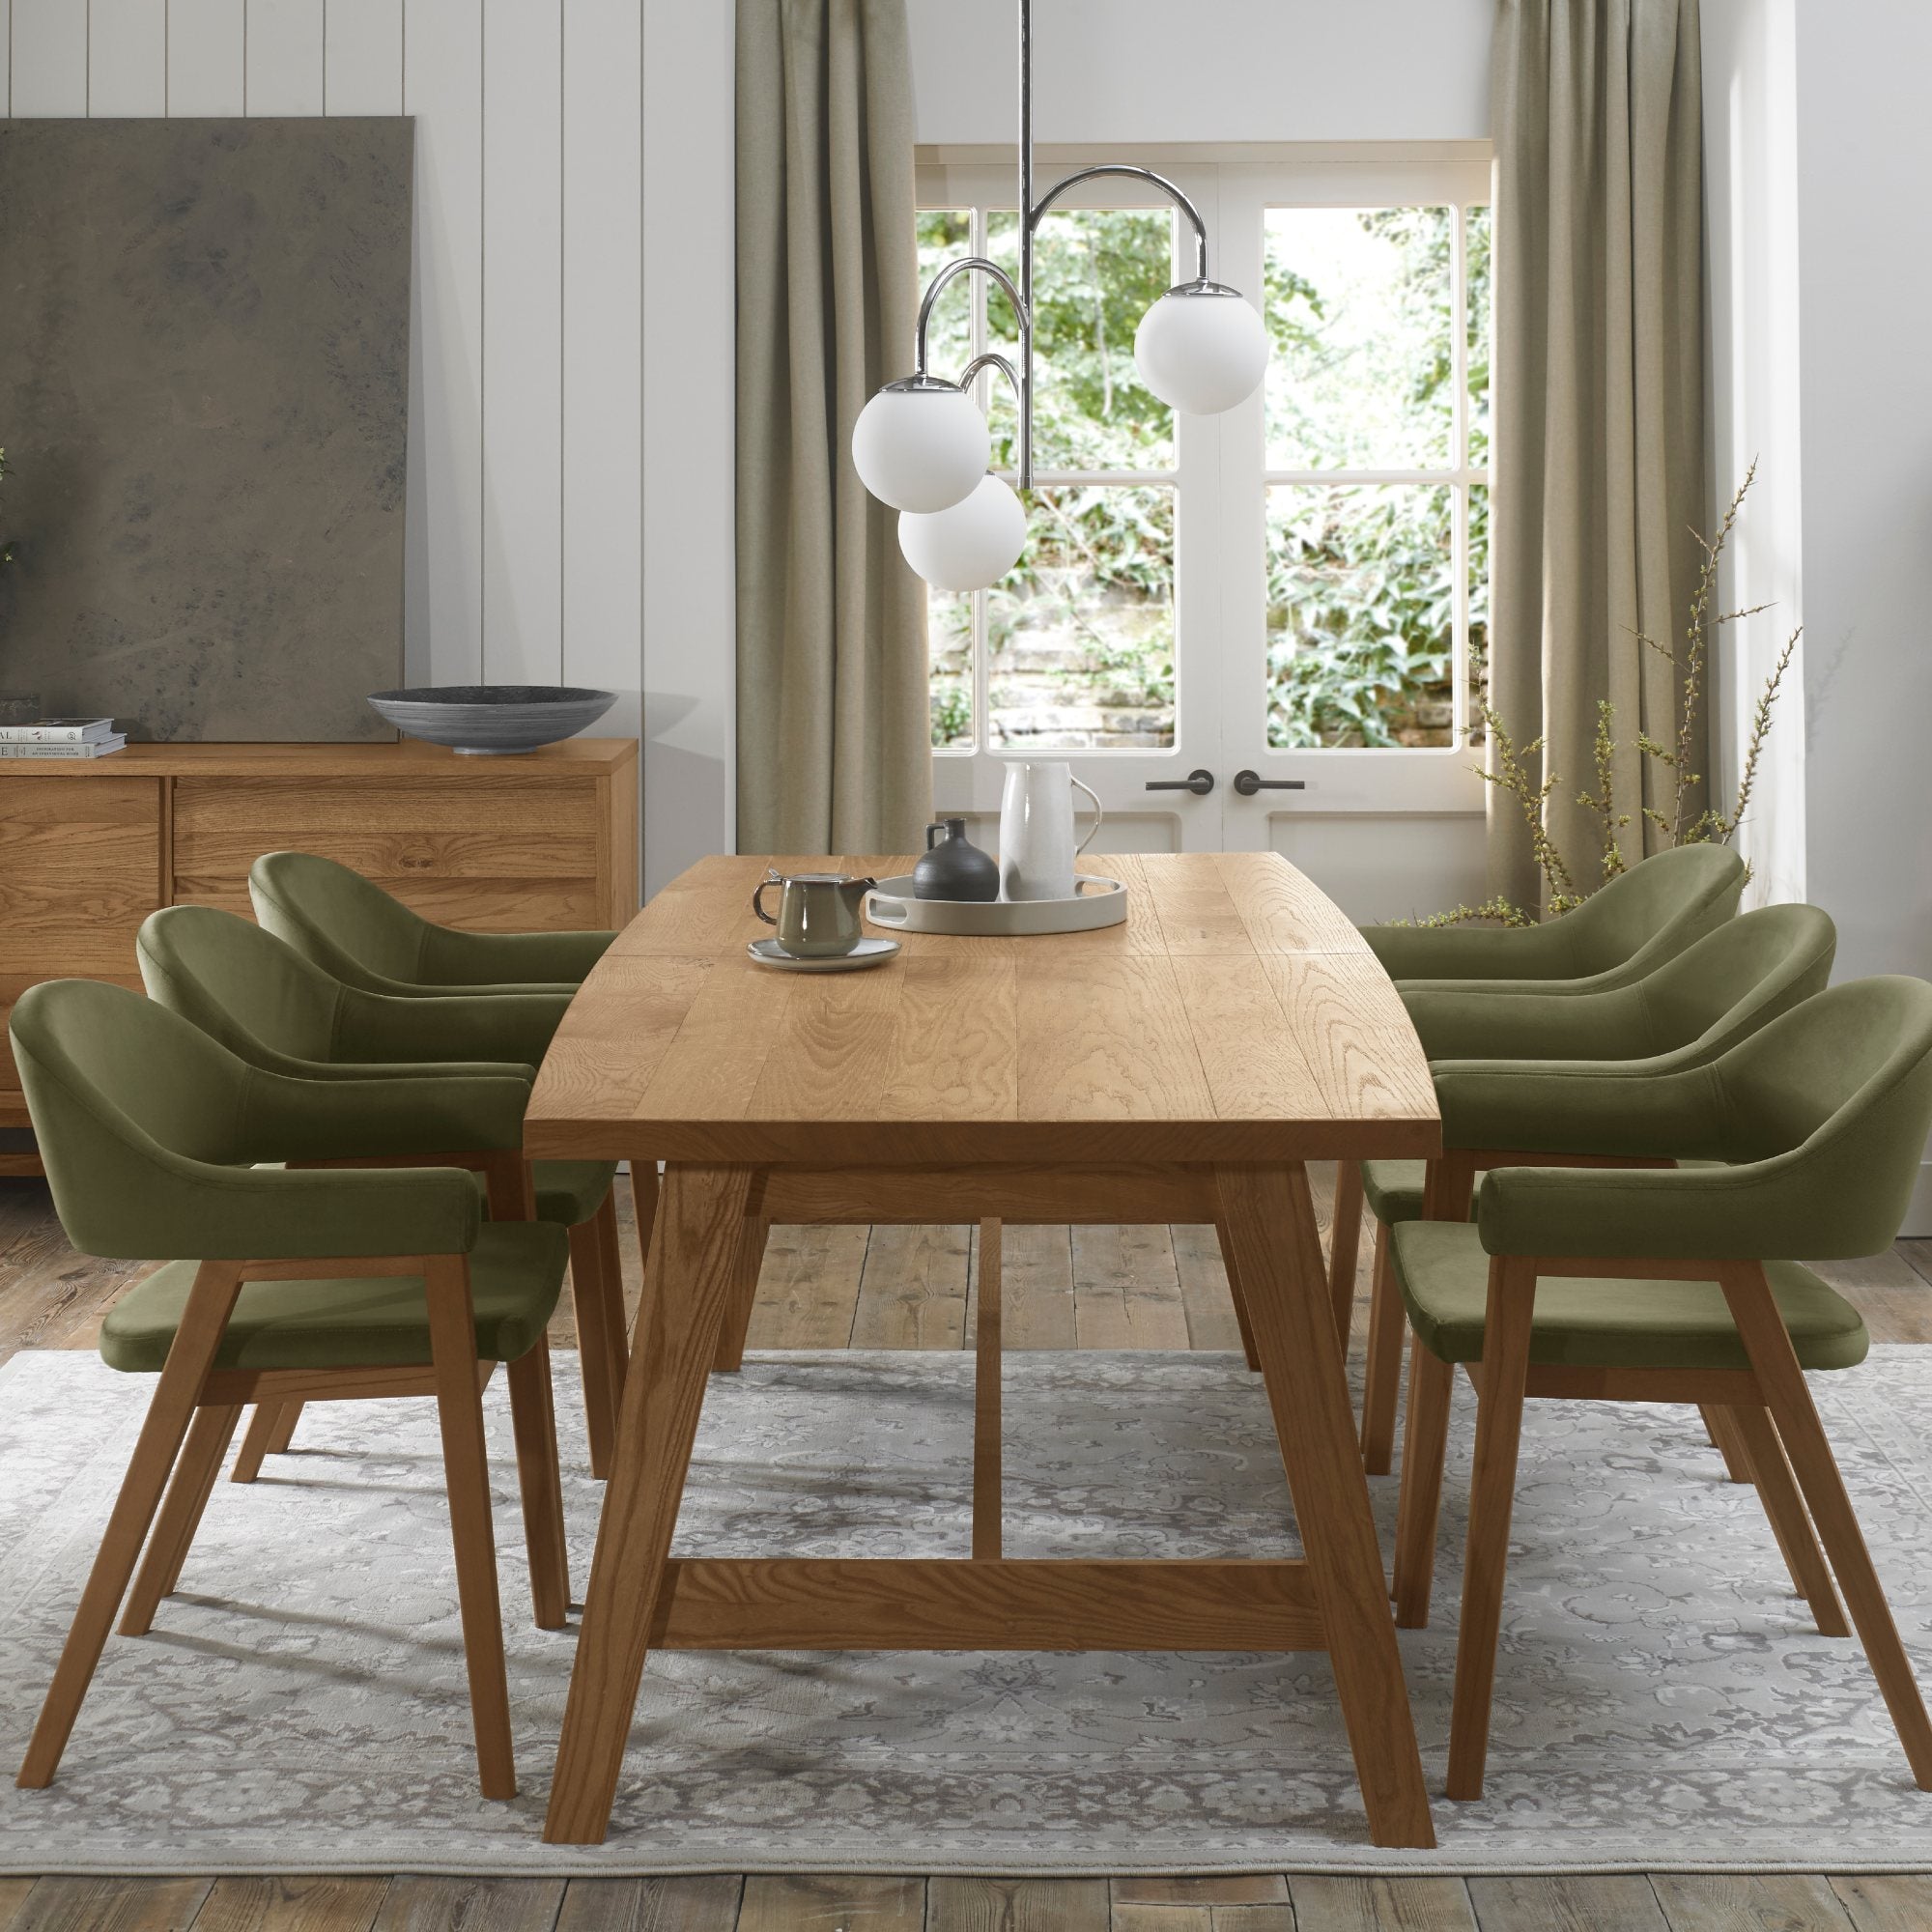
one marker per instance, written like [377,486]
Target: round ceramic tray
[1095,902]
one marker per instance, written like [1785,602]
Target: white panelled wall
[526,547]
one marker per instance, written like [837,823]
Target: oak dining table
[1182,1067]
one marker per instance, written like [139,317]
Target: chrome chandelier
[921,444]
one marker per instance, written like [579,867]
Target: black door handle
[1200,782]
[1247,783]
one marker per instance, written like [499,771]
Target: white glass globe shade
[1202,351]
[971,544]
[921,449]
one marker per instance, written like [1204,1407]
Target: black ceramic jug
[953,868]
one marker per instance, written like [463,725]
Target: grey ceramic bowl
[491,720]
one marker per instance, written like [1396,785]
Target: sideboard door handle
[1200,782]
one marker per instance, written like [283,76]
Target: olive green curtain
[1599,383]
[834,738]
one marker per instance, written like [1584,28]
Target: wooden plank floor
[912,1287]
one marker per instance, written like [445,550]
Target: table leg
[688,1281]
[1277,1246]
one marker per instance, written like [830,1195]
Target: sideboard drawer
[80,868]
[515,852]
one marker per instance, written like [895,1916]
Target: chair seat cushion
[1393,1190]
[1586,1323]
[358,1322]
[568,1191]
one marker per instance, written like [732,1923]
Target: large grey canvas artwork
[203,403]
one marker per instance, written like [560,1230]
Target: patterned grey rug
[1662,1702]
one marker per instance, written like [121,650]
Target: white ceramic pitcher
[1037,848]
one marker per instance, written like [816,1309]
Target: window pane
[1361,615]
[949,630]
[943,234]
[1080,634]
[1095,272]
[1479,609]
[1359,307]
[1476,271]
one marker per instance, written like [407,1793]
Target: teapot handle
[1100,816]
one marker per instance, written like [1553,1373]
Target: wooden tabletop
[1235,1017]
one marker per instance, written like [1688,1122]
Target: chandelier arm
[959,266]
[990,361]
[1174,192]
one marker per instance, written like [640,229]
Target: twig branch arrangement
[1678,824]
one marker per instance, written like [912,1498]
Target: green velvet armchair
[1682,1285]
[1621,933]
[1485,1049]
[344,1283]
[272,1006]
[361,935]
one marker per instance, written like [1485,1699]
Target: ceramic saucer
[867,953]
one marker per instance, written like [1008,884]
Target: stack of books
[61,738]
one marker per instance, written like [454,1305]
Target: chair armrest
[1463,1023]
[287,1119]
[452,959]
[273,1213]
[1450,952]
[131,1198]
[1723,1213]
[513,1028]
[1633,1109]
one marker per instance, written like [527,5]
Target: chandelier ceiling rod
[921,443]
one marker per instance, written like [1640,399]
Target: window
[1377,427]
[1074,650]
[1312,567]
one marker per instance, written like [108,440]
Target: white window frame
[1220,476]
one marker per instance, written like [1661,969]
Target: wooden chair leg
[255,1441]
[1424,1444]
[592,1309]
[1774,1362]
[1238,1296]
[744,1295]
[170,1411]
[452,1337]
[1382,1381]
[1506,1331]
[616,1324]
[1810,1575]
[644,1206]
[284,1430]
[1720,1425]
[533,1419]
[190,1487]
[1345,1244]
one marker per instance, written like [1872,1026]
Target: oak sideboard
[545,841]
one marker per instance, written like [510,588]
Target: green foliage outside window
[1360,585]
[1360,578]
